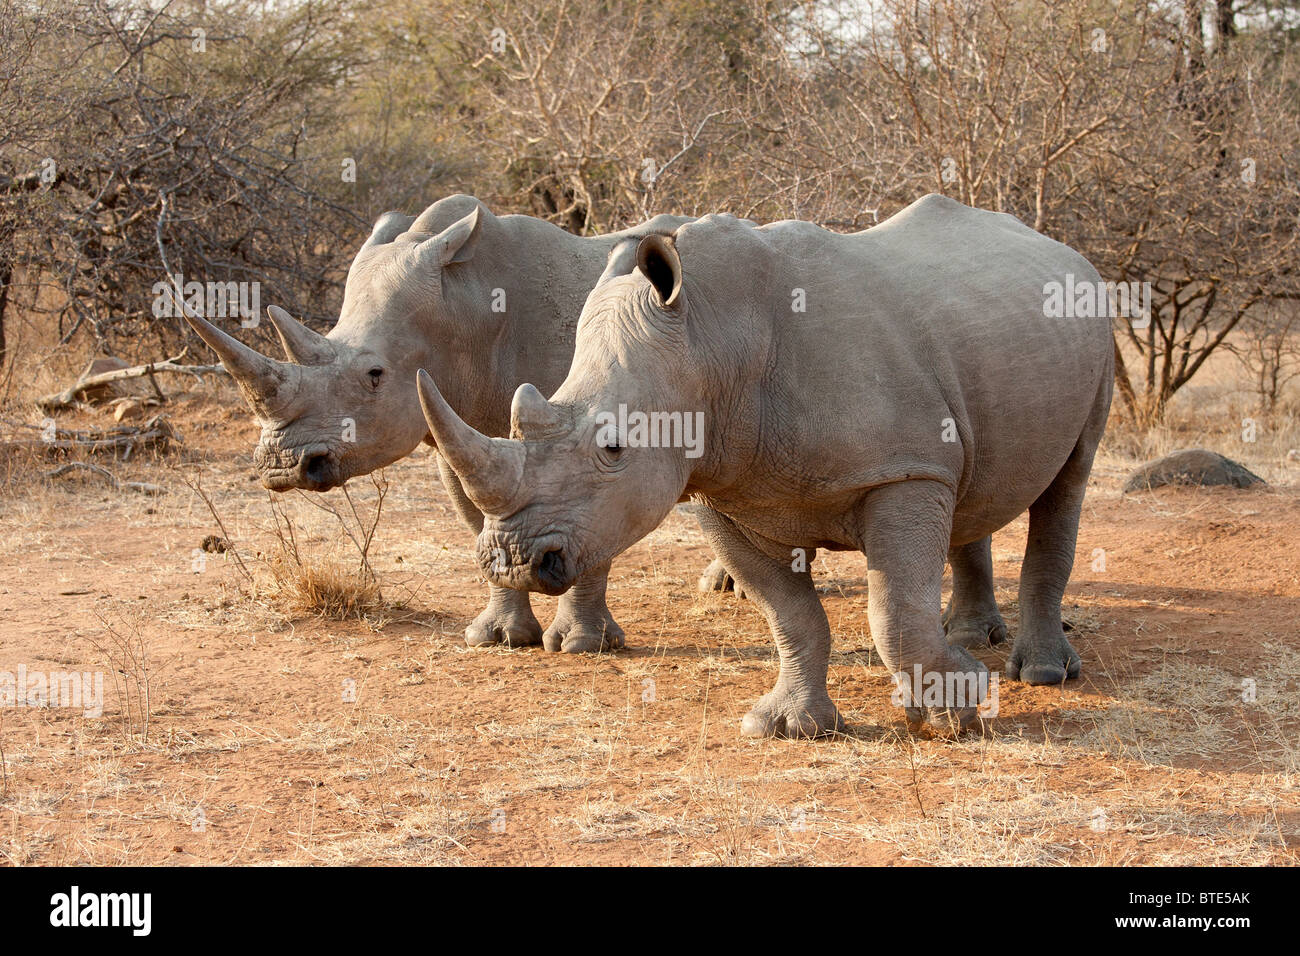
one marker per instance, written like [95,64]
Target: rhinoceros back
[920,347]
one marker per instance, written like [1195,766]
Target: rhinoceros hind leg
[716,577]
[583,623]
[799,705]
[1041,653]
[972,618]
[905,532]
[508,619]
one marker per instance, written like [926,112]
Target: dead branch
[75,392]
[141,486]
[195,483]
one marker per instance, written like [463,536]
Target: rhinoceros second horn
[530,413]
[301,344]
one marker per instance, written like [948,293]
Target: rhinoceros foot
[940,721]
[508,619]
[783,713]
[975,630]
[717,578]
[583,630]
[945,707]
[1042,657]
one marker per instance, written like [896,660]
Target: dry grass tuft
[327,588]
[302,579]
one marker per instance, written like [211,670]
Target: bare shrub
[325,585]
[1269,349]
[131,667]
[182,131]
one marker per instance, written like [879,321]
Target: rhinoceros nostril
[551,571]
[316,467]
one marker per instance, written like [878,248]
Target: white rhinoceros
[486,301]
[899,391]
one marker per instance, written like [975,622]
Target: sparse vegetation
[304,577]
[123,650]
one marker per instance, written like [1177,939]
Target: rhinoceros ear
[387,228]
[621,261]
[455,243]
[657,258]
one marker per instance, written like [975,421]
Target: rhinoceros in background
[488,302]
[920,401]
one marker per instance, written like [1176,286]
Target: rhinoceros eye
[375,374]
[610,456]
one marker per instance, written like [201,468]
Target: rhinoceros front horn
[301,344]
[489,469]
[260,375]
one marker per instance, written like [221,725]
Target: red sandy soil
[255,754]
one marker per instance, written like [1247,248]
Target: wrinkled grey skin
[421,294]
[824,429]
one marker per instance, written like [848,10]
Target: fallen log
[77,390]
[155,434]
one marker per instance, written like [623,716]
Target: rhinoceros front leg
[582,619]
[972,618]
[905,528]
[508,618]
[798,706]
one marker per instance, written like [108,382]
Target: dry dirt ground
[239,730]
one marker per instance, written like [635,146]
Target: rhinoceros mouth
[288,481]
[553,572]
[278,481]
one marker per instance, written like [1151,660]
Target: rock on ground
[1192,466]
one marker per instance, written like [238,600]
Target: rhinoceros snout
[315,468]
[540,565]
